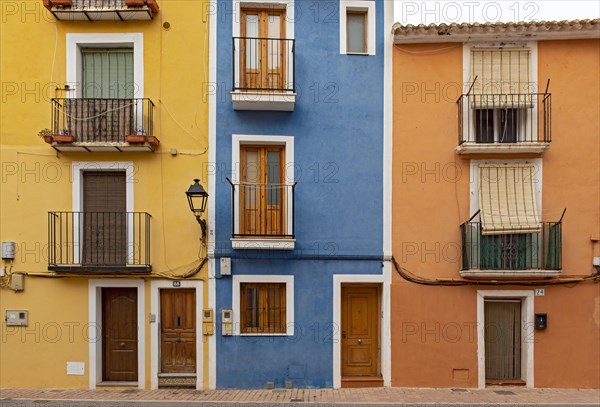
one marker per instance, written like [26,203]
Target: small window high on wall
[357,27]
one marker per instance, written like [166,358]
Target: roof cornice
[465,32]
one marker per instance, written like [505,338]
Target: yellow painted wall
[36,179]
[434,341]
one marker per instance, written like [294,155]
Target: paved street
[315,397]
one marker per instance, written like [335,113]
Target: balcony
[529,255]
[102,10]
[504,123]
[103,125]
[99,242]
[262,216]
[263,74]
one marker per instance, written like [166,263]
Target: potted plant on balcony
[134,3]
[46,134]
[138,137]
[63,136]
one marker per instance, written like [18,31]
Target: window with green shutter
[107,73]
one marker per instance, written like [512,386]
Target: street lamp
[197,198]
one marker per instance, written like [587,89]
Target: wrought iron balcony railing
[527,251]
[91,10]
[504,118]
[99,241]
[263,64]
[103,121]
[262,210]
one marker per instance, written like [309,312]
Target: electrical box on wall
[16,282]
[225,266]
[208,326]
[8,250]
[541,321]
[17,318]
[226,322]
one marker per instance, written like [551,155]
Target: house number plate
[540,292]
[177,284]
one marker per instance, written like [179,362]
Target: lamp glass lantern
[197,198]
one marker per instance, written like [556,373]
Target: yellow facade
[37,179]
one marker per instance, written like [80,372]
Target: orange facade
[436,329]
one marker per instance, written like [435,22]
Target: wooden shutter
[507,199]
[104,218]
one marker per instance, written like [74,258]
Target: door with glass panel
[262,192]
[263,49]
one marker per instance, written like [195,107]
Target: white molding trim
[242,243]
[212,180]
[388,138]
[471,147]
[255,100]
[369,7]
[474,184]
[75,41]
[77,168]
[530,273]
[527,332]
[287,141]
[385,334]
[95,321]
[155,287]
[276,278]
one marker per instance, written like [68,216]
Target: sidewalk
[343,396]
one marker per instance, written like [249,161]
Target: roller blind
[107,73]
[507,199]
[503,76]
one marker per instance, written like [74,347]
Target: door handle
[122,344]
[359,341]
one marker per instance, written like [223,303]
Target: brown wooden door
[120,334]
[262,191]
[360,331]
[263,49]
[104,218]
[178,330]
[502,340]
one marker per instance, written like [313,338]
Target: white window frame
[288,142]
[527,331]
[74,43]
[236,282]
[77,169]
[469,119]
[95,328]
[367,6]
[289,7]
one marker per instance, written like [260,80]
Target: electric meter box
[226,322]
[17,318]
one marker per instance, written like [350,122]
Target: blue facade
[337,126]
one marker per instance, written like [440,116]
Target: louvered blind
[108,73]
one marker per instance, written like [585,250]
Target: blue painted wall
[337,127]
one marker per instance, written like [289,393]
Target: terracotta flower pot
[153,141]
[131,138]
[63,138]
[60,2]
[134,3]
[48,139]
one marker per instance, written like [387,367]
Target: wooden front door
[263,49]
[119,334]
[104,218]
[178,330]
[360,331]
[502,340]
[262,193]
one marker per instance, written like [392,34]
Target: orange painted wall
[434,341]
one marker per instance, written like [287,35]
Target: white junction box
[225,266]
[76,368]
[226,322]
[17,318]
[8,250]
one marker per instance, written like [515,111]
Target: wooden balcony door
[262,191]
[119,335]
[178,331]
[360,333]
[104,218]
[263,49]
